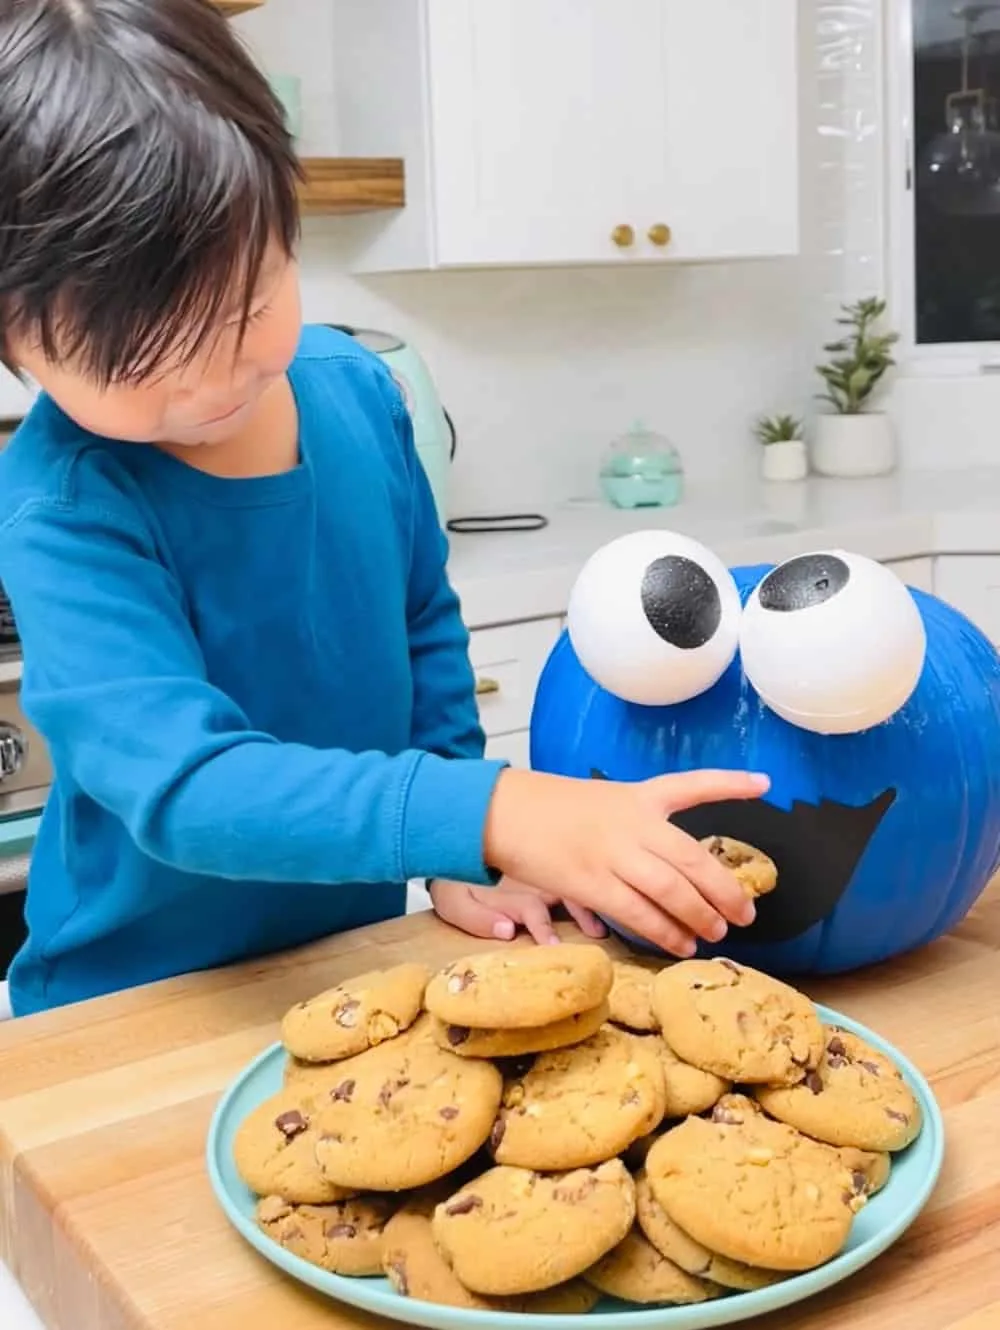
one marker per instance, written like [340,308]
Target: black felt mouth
[817,847]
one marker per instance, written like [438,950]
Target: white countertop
[502,578]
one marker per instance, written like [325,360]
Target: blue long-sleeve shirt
[256,693]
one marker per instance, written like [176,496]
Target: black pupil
[681,602]
[809,580]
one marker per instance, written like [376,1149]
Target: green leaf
[860,359]
[860,381]
[834,401]
[778,429]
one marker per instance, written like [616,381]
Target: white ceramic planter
[853,446]
[784,461]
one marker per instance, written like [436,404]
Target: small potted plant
[783,455]
[853,440]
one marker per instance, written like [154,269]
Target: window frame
[939,359]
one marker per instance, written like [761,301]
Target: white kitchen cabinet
[574,131]
[917,572]
[508,662]
[971,582]
[15,398]
[512,748]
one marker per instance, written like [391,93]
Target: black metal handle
[474,526]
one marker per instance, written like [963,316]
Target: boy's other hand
[500,911]
[610,846]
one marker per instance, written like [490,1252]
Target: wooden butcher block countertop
[107,1219]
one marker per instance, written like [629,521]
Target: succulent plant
[859,358]
[778,429]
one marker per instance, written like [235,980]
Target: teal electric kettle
[433,431]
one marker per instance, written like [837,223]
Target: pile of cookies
[533,1128]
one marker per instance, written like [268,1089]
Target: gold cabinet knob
[623,236]
[485,686]
[659,234]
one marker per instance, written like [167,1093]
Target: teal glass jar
[642,469]
[288,90]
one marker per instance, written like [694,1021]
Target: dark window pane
[956,119]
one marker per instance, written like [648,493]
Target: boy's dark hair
[144,167]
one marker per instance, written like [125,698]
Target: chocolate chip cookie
[870,1169]
[680,1248]
[520,986]
[274,1151]
[754,1190]
[356,1015]
[470,1043]
[755,871]
[404,1114]
[632,997]
[635,1271]
[689,1089]
[515,1231]
[737,1023]
[582,1105]
[345,1238]
[856,1096]
[416,1269]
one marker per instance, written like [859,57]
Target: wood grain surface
[352,184]
[107,1219]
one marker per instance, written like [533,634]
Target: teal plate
[882,1221]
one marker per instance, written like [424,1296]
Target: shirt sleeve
[116,683]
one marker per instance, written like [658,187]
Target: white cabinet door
[573,131]
[513,748]
[971,582]
[917,572]
[726,178]
[508,662]
[545,116]
[15,398]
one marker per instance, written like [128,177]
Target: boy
[240,643]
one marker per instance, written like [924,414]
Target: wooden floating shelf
[351,184]
[340,184]
[233,7]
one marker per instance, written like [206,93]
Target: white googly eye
[832,642]
[654,618]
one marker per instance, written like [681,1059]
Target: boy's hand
[608,846]
[499,911]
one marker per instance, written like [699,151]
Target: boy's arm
[115,681]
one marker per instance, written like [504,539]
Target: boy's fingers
[689,788]
[717,891]
[586,920]
[534,914]
[457,904]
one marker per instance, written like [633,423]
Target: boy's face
[203,402]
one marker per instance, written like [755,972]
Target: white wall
[541,368]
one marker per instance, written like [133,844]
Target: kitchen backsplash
[540,368]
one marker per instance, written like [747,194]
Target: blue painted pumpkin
[883,837]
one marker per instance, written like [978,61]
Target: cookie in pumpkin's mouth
[815,846]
